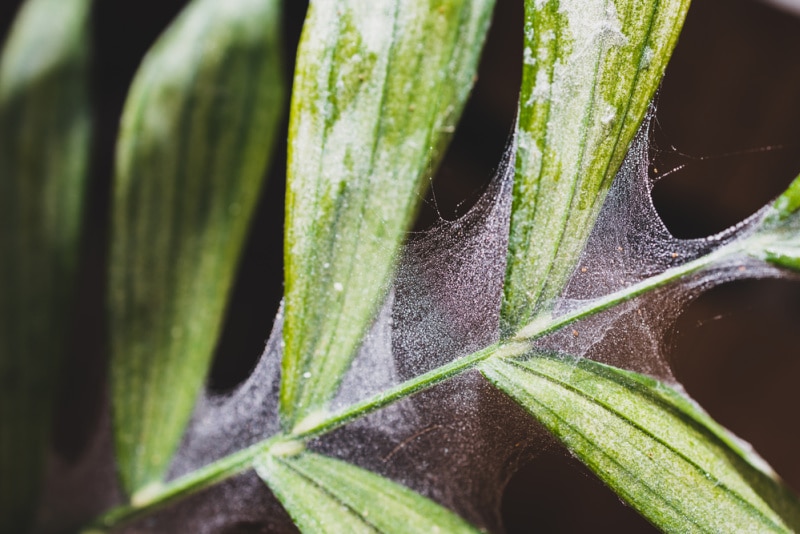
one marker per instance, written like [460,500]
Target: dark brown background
[729,106]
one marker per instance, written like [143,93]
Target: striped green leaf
[323,495]
[378,88]
[44,148]
[590,70]
[195,139]
[652,445]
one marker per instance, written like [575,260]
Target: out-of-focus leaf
[44,148]
[590,70]
[324,495]
[378,88]
[196,134]
[651,444]
[777,240]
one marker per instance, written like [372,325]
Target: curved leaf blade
[196,135]
[378,88]
[652,445]
[330,496]
[590,70]
[777,240]
[45,128]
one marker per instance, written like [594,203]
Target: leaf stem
[395,393]
[542,326]
[241,461]
[195,481]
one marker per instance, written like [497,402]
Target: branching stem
[519,344]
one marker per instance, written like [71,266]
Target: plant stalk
[239,462]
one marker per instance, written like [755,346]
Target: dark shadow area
[728,112]
[258,287]
[479,142]
[735,351]
[556,493]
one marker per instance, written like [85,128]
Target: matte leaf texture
[194,145]
[590,70]
[378,88]
[329,496]
[652,445]
[44,146]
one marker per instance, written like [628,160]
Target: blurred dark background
[728,112]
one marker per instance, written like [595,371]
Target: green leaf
[777,240]
[378,88]
[651,444]
[44,151]
[324,495]
[590,70]
[788,204]
[196,134]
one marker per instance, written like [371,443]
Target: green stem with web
[239,462]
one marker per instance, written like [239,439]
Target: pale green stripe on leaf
[653,446]
[777,240]
[378,88]
[194,145]
[590,70]
[44,152]
[323,495]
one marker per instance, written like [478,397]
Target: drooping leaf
[590,70]
[378,88]
[651,444]
[196,135]
[44,152]
[323,495]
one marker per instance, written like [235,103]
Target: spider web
[458,442]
